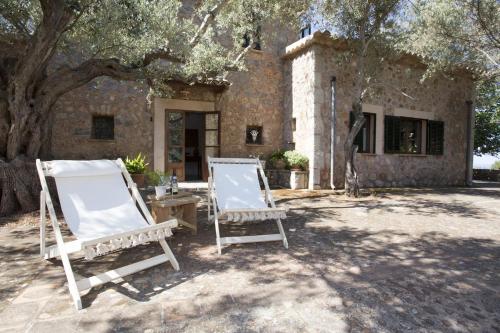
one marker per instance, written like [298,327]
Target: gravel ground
[407,260]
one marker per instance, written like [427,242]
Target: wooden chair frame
[62,248]
[218,215]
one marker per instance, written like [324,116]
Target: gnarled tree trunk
[350,150]
[25,93]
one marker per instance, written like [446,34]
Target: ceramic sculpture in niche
[254,135]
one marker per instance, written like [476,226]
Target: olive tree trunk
[350,150]
[27,94]
[351,183]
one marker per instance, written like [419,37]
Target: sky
[485,161]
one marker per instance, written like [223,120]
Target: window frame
[372,137]
[423,133]
[94,133]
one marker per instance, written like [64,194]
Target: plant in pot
[296,161]
[136,167]
[277,160]
[160,181]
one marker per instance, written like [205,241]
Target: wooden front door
[175,155]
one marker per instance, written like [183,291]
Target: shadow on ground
[336,275]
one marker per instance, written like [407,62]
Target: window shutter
[435,137]
[391,134]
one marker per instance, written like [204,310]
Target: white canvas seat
[234,195]
[103,216]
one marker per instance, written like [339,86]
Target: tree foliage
[451,33]
[50,47]
[487,121]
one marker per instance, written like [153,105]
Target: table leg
[190,217]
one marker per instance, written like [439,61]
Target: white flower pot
[298,180]
[160,191]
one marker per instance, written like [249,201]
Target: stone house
[295,96]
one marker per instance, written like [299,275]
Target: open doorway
[191,137]
[194,146]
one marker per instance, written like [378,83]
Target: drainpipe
[469,154]
[332,130]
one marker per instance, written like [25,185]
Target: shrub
[296,160]
[136,165]
[496,165]
[277,159]
[277,155]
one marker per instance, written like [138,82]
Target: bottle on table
[173,183]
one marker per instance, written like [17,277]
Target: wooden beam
[251,239]
[114,274]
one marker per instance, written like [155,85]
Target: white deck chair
[102,214]
[234,195]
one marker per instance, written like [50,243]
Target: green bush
[296,160]
[496,165]
[277,155]
[136,165]
[277,159]
[157,178]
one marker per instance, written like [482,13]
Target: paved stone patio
[419,260]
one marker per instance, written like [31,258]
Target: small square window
[256,39]
[103,127]
[305,31]
[254,135]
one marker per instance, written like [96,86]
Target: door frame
[160,105]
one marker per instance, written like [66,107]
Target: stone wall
[72,125]
[301,101]
[278,178]
[255,97]
[485,174]
[440,97]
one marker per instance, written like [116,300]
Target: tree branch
[164,54]
[494,38]
[67,79]
[385,85]
[207,20]
[239,57]
[40,48]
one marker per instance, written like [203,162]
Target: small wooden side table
[179,206]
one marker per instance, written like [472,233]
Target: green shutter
[435,137]
[391,134]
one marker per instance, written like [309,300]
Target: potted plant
[296,161]
[136,167]
[159,180]
[277,160]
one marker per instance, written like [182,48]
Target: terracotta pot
[139,179]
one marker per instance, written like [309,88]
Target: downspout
[332,130]
[469,154]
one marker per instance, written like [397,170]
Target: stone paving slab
[419,260]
